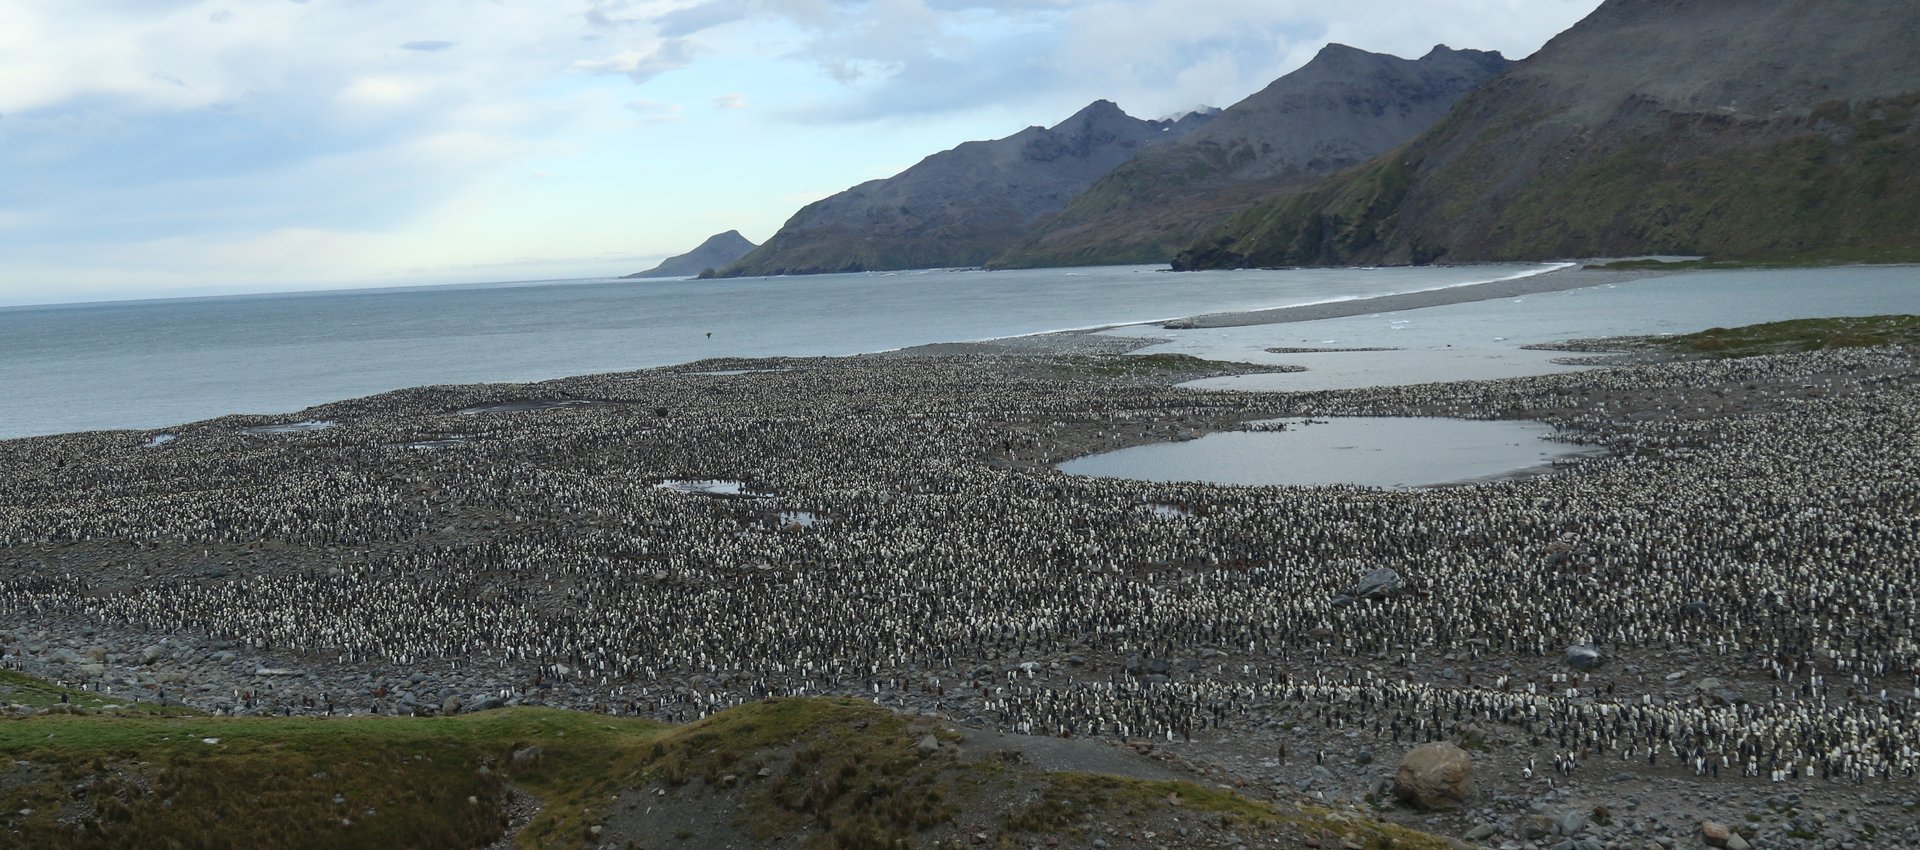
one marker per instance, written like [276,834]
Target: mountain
[1738,128]
[963,206]
[1343,108]
[715,253]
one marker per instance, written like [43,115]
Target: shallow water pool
[1396,452]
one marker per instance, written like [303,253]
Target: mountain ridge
[962,206]
[1340,109]
[1744,128]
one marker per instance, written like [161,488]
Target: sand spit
[1554,281]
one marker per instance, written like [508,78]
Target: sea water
[151,364]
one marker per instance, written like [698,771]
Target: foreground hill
[813,773]
[1740,128]
[719,250]
[1339,110]
[963,206]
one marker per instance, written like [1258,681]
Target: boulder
[1569,822]
[1436,775]
[1585,656]
[1378,584]
[1714,834]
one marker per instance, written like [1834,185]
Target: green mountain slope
[1746,128]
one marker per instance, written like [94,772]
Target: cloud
[641,65]
[297,127]
[701,17]
[928,57]
[655,112]
[383,92]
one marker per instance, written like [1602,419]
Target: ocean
[158,363]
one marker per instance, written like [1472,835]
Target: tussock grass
[819,774]
[214,782]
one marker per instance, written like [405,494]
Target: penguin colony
[1758,517]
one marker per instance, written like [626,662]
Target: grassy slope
[813,773]
[1699,189]
[119,781]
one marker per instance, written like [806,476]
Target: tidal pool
[711,487]
[1397,452]
[532,406]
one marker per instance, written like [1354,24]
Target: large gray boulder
[1379,584]
[1585,656]
[1435,776]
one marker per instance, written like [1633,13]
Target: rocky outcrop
[963,206]
[1743,128]
[1343,108]
[719,250]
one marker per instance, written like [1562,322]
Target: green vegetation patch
[820,774]
[856,778]
[1800,335]
[1773,337]
[105,781]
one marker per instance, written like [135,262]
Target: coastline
[1082,340]
[1559,280]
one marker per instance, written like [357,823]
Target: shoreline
[1061,340]
[1558,280]
[1079,340]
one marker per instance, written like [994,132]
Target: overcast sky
[158,147]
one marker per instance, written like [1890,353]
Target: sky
[153,148]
